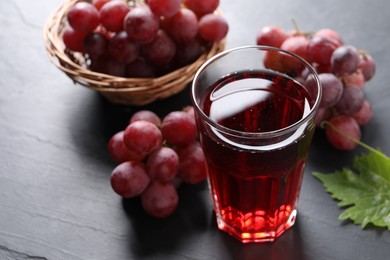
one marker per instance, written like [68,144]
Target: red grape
[332,89]
[323,68]
[183,26]
[271,36]
[99,3]
[188,53]
[192,163]
[146,115]
[330,34]
[179,128]
[213,28]
[320,49]
[298,45]
[364,115]
[367,65]
[141,24]
[202,7]
[122,49]
[162,165]
[129,179]
[351,100]
[160,199]
[83,17]
[322,115]
[119,152]
[164,7]
[113,14]
[142,137]
[345,124]
[95,45]
[356,78]
[160,51]
[73,40]
[107,65]
[345,60]
[139,69]
[190,110]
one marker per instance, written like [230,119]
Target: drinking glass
[255,116]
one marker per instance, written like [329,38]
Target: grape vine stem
[325,123]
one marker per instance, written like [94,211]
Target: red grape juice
[255,182]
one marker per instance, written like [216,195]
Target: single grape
[160,199]
[119,152]
[129,179]
[183,26]
[179,128]
[112,15]
[109,66]
[99,3]
[367,66]
[271,36]
[141,24]
[83,17]
[192,163]
[201,7]
[95,45]
[160,51]
[345,60]
[330,34]
[322,115]
[298,45]
[139,69]
[322,68]
[332,89]
[190,110]
[213,28]
[162,165]
[122,49]
[188,53]
[146,115]
[272,61]
[320,49]
[347,125]
[356,78]
[164,7]
[73,40]
[142,137]
[351,100]
[364,115]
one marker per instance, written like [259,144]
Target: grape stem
[296,27]
[325,123]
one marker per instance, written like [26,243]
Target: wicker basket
[118,90]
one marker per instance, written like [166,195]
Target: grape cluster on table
[154,157]
[140,39]
[343,72]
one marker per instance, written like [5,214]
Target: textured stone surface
[55,197]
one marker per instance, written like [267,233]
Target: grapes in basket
[154,157]
[139,39]
[343,73]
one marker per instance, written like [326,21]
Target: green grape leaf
[364,192]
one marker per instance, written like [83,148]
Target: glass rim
[267,134]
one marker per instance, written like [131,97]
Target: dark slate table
[55,198]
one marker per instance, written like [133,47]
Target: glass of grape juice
[255,119]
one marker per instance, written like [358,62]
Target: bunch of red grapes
[154,157]
[343,72]
[138,39]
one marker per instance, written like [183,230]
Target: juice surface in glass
[255,182]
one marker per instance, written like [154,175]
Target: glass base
[261,234]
